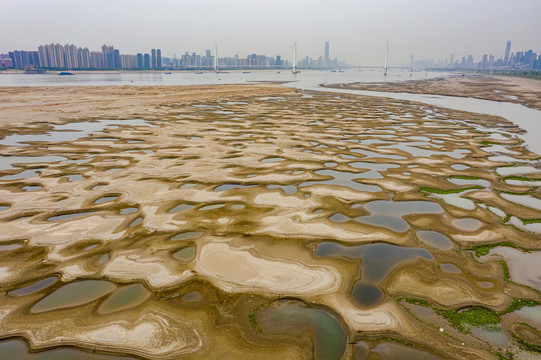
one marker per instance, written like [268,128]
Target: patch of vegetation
[519,304]
[463,177]
[484,249]
[475,316]
[254,324]
[396,340]
[450,191]
[489,143]
[526,344]
[419,302]
[530,221]
[505,268]
[507,356]
[518,178]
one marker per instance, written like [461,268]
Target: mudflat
[498,88]
[256,221]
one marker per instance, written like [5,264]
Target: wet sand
[497,88]
[251,180]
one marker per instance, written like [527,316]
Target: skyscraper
[326,59]
[153,52]
[159,59]
[139,61]
[507,51]
[146,61]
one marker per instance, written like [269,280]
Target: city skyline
[357,30]
[69,56]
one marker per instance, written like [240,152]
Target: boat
[340,70]
[333,70]
[167,73]
[295,71]
[65,73]
[246,72]
[199,72]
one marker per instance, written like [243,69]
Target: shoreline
[522,91]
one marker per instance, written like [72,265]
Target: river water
[526,118]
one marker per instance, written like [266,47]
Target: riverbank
[497,88]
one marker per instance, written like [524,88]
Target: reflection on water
[390,351]
[294,318]
[74,294]
[389,213]
[70,131]
[435,239]
[17,350]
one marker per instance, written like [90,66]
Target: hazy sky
[357,29]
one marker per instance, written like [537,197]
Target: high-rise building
[108,56]
[159,59]
[326,58]
[116,59]
[146,61]
[21,59]
[139,61]
[507,51]
[153,52]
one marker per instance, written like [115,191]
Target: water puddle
[70,131]
[17,350]
[74,294]
[372,166]
[10,247]
[469,182]
[185,254]
[31,188]
[7,162]
[136,222]
[288,189]
[129,210]
[485,284]
[459,167]
[366,295]
[524,200]
[450,268]
[390,351]
[517,170]
[494,337]
[225,187]
[25,174]
[435,239]
[192,297]
[377,260]
[124,298]
[344,178]
[456,200]
[330,338]
[211,207]
[419,152]
[371,154]
[389,214]
[524,268]
[35,287]
[181,207]
[74,177]
[69,216]
[467,224]
[105,199]
[272,159]
[532,314]
[187,235]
